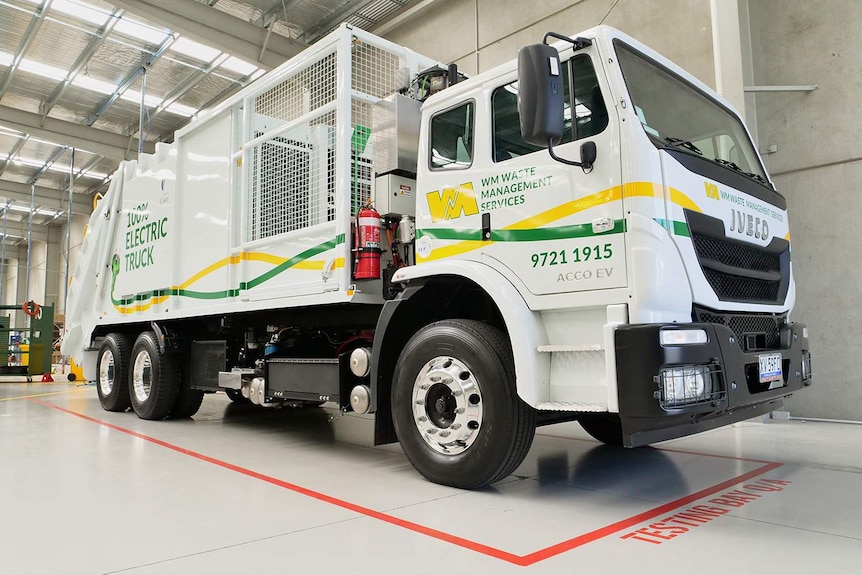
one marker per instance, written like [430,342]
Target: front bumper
[641,358]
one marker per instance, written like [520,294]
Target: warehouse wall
[480,34]
[817,167]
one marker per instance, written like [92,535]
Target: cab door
[558,228]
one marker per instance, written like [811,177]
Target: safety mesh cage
[725,264]
[753,332]
[292,170]
[686,386]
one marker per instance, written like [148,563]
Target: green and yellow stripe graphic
[145,300]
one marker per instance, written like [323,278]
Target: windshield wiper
[679,143]
[752,175]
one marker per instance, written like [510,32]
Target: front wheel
[153,379]
[455,408]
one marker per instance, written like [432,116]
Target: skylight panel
[94,85]
[6,59]
[81,11]
[135,96]
[43,70]
[194,50]
[141,31]
[182,110]
[234,64]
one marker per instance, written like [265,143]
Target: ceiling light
[6,59]
[194,50]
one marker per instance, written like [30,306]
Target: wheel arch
[448,290]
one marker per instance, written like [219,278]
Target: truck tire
[605,427]
[154,378]
[455,408]
[112,372]
[188,400]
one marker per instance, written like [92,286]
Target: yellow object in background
[76,370]
[24,352]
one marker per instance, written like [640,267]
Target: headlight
[686,385]
[806,368]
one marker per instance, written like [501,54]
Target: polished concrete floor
[240,489]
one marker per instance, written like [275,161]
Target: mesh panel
[736,255]
[291,175]
[764,327]
[300,94]
[375,71]
[293,182]
[731,287]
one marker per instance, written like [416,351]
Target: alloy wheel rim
[447,405]
[106,373]
[142,376]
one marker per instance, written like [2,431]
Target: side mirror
[588,154]
[540,94]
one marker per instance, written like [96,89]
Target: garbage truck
[585,233]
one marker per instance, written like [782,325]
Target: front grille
[736,254]
[734,288]
[736,270]
[754,332]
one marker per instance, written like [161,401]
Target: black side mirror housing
[588,154]
[540,94]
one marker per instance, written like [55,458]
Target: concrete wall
[817,167]
[480,34]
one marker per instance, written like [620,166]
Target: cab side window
[452,138]
[590,117]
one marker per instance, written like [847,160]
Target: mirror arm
[579,43]
[587,168]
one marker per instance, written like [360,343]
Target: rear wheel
[455,408]
[153,379]
[605,427]
[112,372]
[188,400]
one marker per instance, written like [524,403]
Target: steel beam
[82,61]
[20,229]
[29,35]
[93,140]
[216,28]
[315,32]
[45,197]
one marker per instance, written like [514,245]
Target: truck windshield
[677,115]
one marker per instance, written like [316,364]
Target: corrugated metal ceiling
[78,61]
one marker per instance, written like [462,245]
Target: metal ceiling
[71,76]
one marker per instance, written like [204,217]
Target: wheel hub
[142,376]
[106,373]
[447,405]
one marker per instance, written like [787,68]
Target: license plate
[770,367]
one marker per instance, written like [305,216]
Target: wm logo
[451,203]
[711,191]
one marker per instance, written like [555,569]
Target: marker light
[682,336]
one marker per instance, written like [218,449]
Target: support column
[727,51]
[53,269]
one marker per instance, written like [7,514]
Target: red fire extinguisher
[367,244]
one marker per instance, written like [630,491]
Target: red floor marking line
[522,560]
[553,550]
[449,538]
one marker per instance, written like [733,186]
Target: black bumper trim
[640,357]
